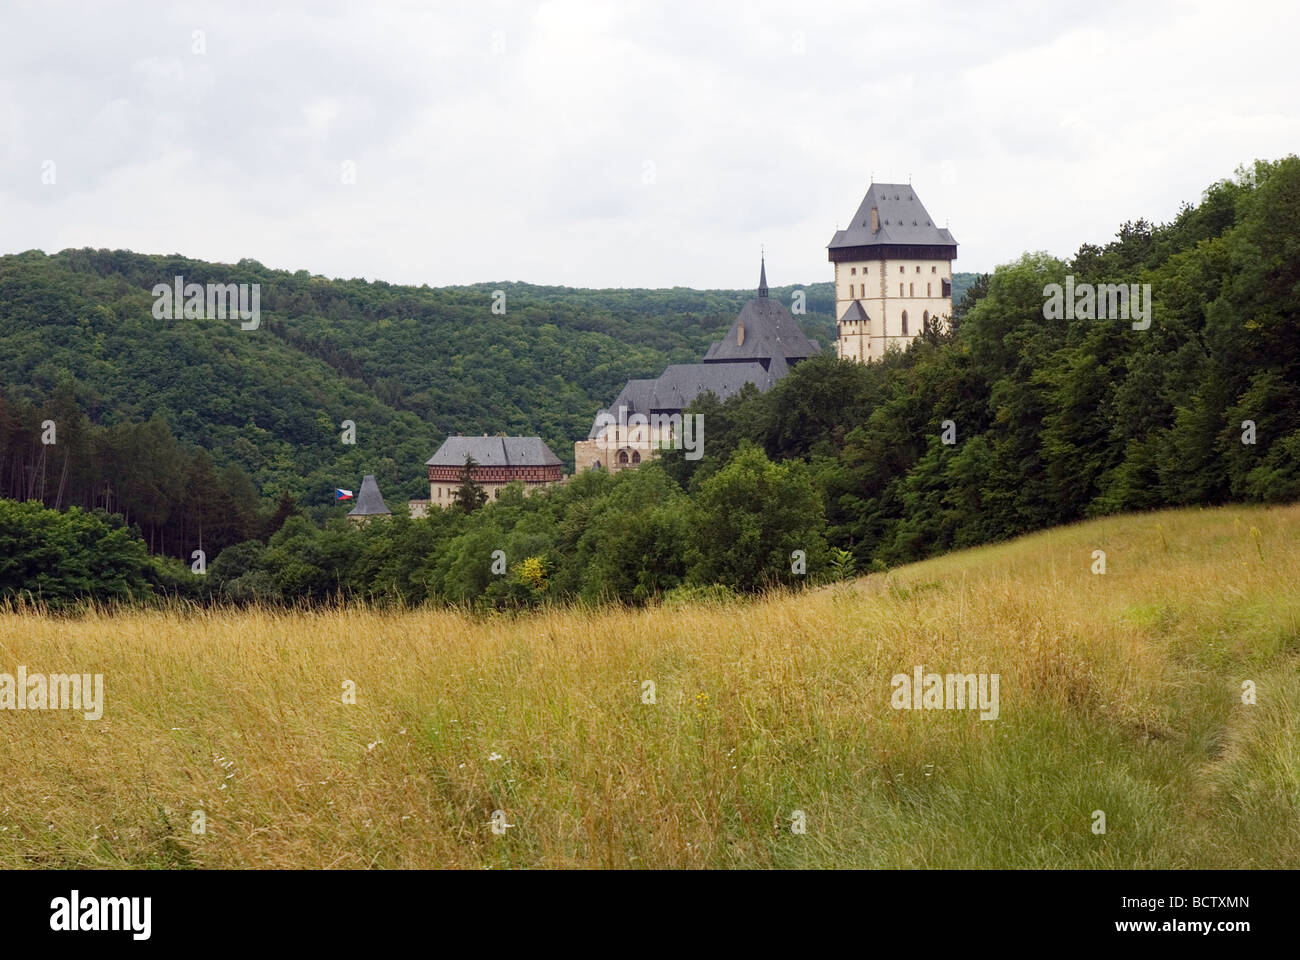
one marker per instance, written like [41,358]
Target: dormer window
[875,219]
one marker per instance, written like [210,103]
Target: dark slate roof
[681,383]
[769,335]
[369,501]
[636,395]
[903,220]
[856,313]
[494,452]
[762,329]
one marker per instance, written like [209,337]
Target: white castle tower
[893,273]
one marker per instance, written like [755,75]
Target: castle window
[918,268]
[900,269]
[636,457]
[925,321]
[904,323]
[862,289]
[927,290]
[853,271]
[622,456]
[911,289]
[900,289]
[934,269]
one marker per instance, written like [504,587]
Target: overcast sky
[610,144]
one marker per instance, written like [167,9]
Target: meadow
[1120,693]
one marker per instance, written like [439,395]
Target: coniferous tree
[470,495]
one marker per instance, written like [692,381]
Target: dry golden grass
[1118,692]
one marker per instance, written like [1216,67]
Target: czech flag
[342,494]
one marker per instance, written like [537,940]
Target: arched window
[636,457]
[596,465]
[622,456]
[904,323]
[925,321]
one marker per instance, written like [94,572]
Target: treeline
[632,537]
[62,558]
[174,496]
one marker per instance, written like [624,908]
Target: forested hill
[137,397]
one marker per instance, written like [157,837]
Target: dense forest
[1014,420]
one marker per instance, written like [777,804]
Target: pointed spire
[762,277]
[370,502]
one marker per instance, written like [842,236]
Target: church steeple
[762,278]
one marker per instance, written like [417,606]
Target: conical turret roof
[370,503]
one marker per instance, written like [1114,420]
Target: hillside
[409,365]
[1119,692]
[138,396]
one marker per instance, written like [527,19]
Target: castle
[893,273]
[893,282]
[891,244]
[498,461]
[761,346]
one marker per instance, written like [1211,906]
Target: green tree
[61,558]
[470,494]
[748,520]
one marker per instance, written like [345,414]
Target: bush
[63,558]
